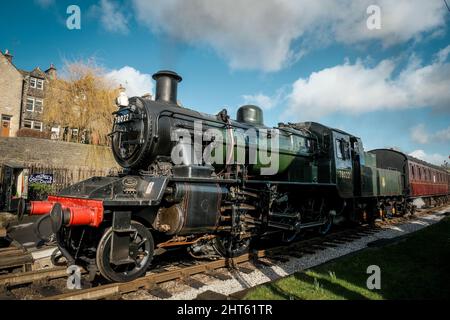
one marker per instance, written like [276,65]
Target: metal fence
[63,177]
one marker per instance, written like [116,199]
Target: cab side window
[342,149]
[339,149]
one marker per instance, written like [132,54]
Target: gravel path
[264,274]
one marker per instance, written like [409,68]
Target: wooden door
[6,125]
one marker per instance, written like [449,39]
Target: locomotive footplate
[120,244]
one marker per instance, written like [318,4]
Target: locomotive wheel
[229,246]
[141,251]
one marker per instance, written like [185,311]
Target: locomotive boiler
[211,184]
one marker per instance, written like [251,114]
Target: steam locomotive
[264,182]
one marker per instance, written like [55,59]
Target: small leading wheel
[141,252]
[230,246]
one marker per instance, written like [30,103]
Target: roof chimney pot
[8,55]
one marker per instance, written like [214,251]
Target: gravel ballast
[263,274]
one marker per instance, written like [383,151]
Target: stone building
[33,99]
[22,101]
[11,85]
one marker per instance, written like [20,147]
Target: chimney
[166,86]
[51,72]
[8,56]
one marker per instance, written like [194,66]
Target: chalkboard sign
[43,178]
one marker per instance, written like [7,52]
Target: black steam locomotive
[263,182]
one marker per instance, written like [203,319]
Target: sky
[377,69]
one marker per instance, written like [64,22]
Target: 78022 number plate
[122,118]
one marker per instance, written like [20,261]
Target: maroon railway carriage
[420,179]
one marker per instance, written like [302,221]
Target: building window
[75,133]
[38,103]
[28,124]
[40,84]
[31,124]
[37,125]
[34,105]
[30,104]
[6,117]
[33,82]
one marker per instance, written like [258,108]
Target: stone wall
[58,154]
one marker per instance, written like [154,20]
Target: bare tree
[82,99]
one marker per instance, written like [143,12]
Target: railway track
[15,259]
[214,269]
[184,271]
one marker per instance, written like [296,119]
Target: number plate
[122,118]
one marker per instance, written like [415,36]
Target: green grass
[415,268]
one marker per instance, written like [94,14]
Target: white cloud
[443,135]
[260,100]
[135,82]
[112,17]
[401,20]
[264,101]
[358,88]
[443,54]
[269,35]
[435,158]
[419,134]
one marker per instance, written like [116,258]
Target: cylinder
[166,86]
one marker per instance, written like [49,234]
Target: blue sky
[299,60]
